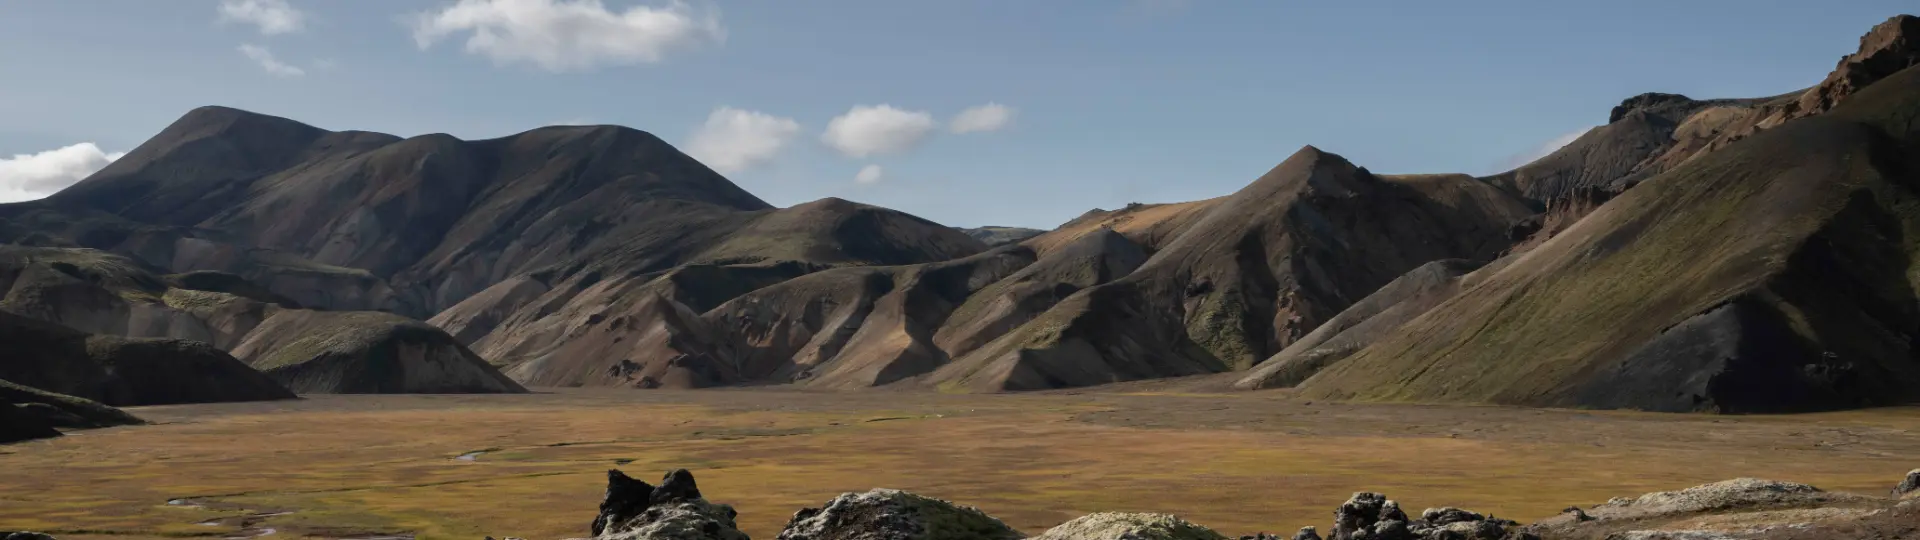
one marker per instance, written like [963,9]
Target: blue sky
[1102,102]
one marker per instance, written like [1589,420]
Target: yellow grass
[352,465]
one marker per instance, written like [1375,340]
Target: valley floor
[364,466]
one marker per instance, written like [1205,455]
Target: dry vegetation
[359,465]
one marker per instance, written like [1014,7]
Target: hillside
[125,371]
[1815,312]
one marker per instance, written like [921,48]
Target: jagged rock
[23,535]
[1372,516]
[1129,526]
[1908,487]
[886,514]
[636,510]
[1307,533]
[690,519]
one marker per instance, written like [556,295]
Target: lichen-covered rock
[887,514]
[636,510]
[1909,487]
[1738,492]
[25,536]
[692,519]
[1129,526]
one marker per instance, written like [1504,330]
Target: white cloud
[272,16]
[734,140]
[989,117]
[264,57]
[867,175]
[568,35]
[32,176]
[1543,150]
[875,130]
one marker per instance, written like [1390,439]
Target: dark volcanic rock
[885,514]
[635,510]
[1908,486]
[1371,516]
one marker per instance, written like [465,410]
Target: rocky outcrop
[1738,509]
[1372,516]
[674,510]
[1129,526]
[319,352]
[886,514]
[1909,486]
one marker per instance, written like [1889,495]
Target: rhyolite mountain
[1728,254]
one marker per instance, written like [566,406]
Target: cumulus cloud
[32,176]
[868,175]
[271,16]
[1543,150]
[734,140]
[264,57]
[877,130]
[568,35]
[989,117]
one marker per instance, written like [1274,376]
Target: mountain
[322,352]
[1768,274]
[125,371]
[363,352]
[1724,254]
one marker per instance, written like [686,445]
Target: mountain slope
[123,371]
[1773,274]
[1250,275]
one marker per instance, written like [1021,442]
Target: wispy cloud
[265,59]
[568,35]
[270,16]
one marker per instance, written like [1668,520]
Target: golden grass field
[363,466]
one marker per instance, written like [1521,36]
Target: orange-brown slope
[587,327]
[1259,269]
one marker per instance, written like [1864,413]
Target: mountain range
[1727,255]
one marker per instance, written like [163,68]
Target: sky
[968,113]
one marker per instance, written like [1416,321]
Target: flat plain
[368,466]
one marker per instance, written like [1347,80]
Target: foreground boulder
[887,514]
[1908,487]
[1129,526]
[125,371]
[674,510]
[1372,516]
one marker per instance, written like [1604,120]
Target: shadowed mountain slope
[125,371]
